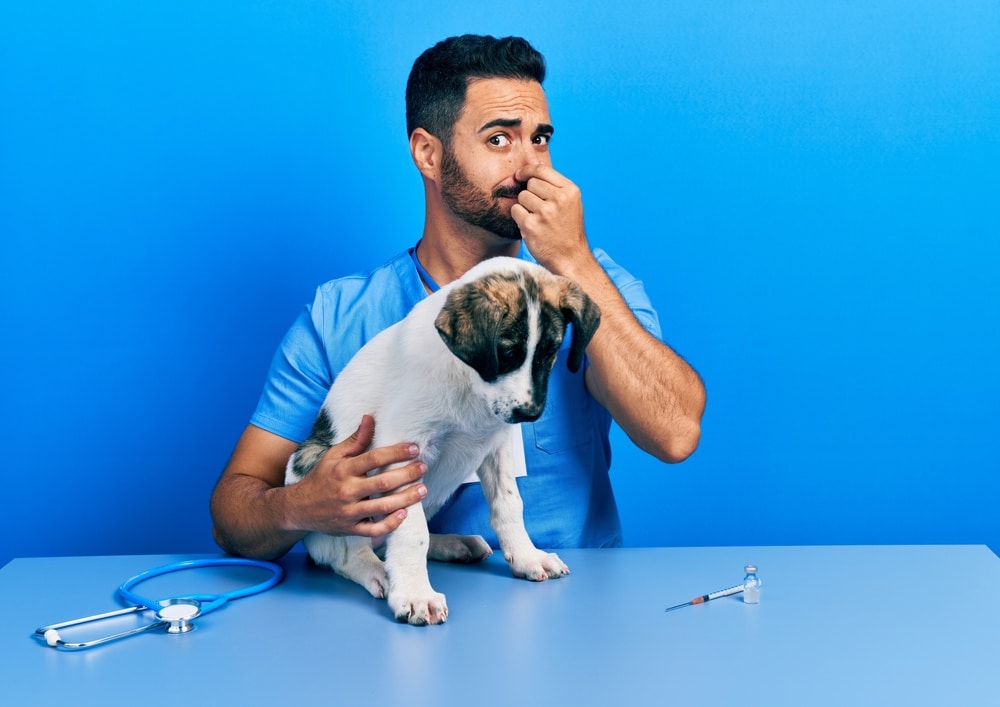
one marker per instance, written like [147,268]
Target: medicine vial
[751,585]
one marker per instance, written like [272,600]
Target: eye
[507,352]
[548,348]
[499,140]
[542,139]
[510,355]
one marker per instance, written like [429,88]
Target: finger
[387,505]
[381,457]
[530,200]
[382,515]
[382,526]
[519,214]
[359,466]
[359,441]
[540,171]
[391,480]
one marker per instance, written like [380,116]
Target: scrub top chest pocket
[568,418]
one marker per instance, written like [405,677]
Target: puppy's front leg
[507,518]
[411,597]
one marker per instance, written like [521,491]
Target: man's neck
[449,253]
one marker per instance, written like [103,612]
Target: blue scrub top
[568,499]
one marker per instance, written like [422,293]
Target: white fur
[419,391]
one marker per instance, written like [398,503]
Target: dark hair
[435,91]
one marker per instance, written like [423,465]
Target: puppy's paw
[376,582]
[368,571]
[419,610]
[537,565]
[458,548]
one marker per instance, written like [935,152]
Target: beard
[474,206]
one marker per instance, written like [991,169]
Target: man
[479,132]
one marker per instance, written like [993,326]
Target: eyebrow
[543,128]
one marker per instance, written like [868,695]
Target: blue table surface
[867,625]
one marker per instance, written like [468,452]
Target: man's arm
[255,515]
[653,394]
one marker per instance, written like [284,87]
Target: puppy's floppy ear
[468,324]
[585,316]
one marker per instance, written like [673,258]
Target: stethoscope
[175,614]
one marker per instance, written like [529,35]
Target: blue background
[808,189]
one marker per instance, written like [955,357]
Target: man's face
[504,125]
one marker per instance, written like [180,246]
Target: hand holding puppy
[339,498]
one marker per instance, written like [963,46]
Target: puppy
[454,376]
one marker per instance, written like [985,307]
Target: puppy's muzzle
[528,413]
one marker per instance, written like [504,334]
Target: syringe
[709,597]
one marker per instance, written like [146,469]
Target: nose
[528,154]
[526,413]
[523,159]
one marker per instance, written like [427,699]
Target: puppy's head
[507,319]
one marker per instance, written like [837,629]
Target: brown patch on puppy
[485,322]
[482,321]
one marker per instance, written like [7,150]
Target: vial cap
[750,569]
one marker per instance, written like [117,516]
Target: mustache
[511,192]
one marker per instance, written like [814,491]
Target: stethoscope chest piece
[179,614]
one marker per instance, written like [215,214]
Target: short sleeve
[633,292]
[297,381]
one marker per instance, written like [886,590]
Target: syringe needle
[708,597]
[699,600]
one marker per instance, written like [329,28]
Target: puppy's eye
[510,355]
[547,349]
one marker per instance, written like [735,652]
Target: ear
[585,316]
[468,324]
[426,151]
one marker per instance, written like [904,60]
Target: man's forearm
[653,394]
[248,518]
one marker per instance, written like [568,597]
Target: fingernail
[422,490]
[413,449]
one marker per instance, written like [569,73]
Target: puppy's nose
[526,413]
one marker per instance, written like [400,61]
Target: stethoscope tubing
[211,601]
[196,605]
